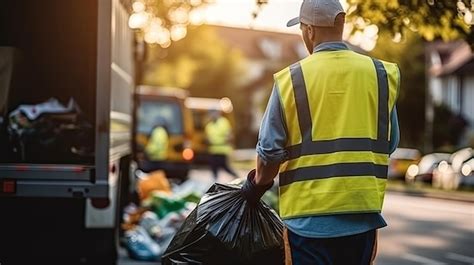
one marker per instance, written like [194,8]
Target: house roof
[454,58]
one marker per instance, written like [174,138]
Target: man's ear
[311,32]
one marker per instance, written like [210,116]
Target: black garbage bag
[224,230]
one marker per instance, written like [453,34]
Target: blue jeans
[349,250]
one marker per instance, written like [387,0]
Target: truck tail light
[8,186]
[188,154]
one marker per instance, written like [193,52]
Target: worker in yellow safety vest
[328,130]
[157,147]
[219,137]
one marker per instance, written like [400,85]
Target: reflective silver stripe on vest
[330,171]
[382,128]
[338,145]
[309,147]
[302,102]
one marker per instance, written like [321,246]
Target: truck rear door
[59,49]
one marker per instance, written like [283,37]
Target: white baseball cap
[320,13]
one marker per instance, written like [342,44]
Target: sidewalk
[424,191]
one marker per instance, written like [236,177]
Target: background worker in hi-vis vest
[219,137]
[156,149]
[328,130]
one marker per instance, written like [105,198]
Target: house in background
[451,80]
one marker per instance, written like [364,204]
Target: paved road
[421,230]
[426,231]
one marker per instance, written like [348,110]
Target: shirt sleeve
[395,131]
[273,135]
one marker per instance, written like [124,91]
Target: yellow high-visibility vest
[337,107]
[157,146]
[218,134]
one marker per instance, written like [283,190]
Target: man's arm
[265,172]
[271,141]
[270,149]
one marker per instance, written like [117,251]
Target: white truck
[56,209]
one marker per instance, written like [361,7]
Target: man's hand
[253,192]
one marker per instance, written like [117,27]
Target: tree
[431,19]
[206,66]
[164,21]
[200,63]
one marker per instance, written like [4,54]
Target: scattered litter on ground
[151,225]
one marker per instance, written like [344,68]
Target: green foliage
[201,63]
[206,66]
[409,55]
[431,19]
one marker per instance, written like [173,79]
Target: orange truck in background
[167,103]
[200,108]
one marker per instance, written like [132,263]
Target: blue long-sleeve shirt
[271,148]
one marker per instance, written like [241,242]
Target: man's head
[160,121]
[320,21]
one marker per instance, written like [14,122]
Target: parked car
[467,173]
[423,171]
[456,171]
[400,160]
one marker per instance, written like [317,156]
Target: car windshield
[150,112]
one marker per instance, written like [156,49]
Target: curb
[452,196]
